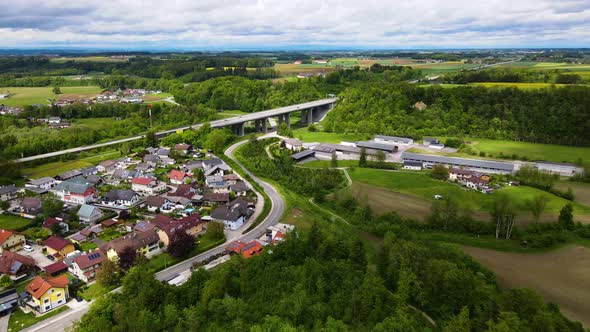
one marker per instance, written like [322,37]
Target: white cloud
[269,23]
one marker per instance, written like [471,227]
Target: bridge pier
[304,117]
[281,119]
[238,129]
[288,119]
[264,125]
[310,116]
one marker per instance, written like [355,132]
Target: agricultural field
[88,59]
[518,85]
[421,186]
[561,276]
[20,96]
[155,97]
[581,190]
[58,167]
[293,69]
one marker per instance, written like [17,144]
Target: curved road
[64,320]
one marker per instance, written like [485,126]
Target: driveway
[4,323]
[38,255]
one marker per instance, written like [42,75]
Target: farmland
[581,190]
[29,96]
[58,167]
[89,59]
[562,276]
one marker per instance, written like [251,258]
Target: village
[140,203]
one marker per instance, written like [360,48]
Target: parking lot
[37,254]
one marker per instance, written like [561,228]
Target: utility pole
[150,112]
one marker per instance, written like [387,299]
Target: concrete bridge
[310,112]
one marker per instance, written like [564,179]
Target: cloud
[276,24]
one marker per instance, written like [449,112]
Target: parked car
[51,258]
[438,197]
[28,248]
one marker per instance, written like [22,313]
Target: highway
[64,320]
[214,124]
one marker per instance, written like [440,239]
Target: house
[107,166]
[476,182]
[75,191]
[109,223]
[208,163]
[412,165]
[239,188]
[56,268]
[293,144]
[393,140]
[216,198]
[11,241]
[144,168]
[85,266]
[276,233]
[183,149]
[192,165]
[216,170]
[142,226]
[179,202]
[91,232]
[68,175]
[151,159]
[120,198]
[231,178]
[89,214]
[147,185]
[94,180]
[44,184]
[163,152]
[50,223]
[144,243]
[16,266]
[54,120]
[245,249]
[48,293]
[192,225]
[177,177]
[153,203]
[31,205]
[8,193]
[120,175]
[92,170]
[460,173]
[216,183]
[420,106]
[58,246]
[184,190]
[233,214]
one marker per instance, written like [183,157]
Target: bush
[454,142]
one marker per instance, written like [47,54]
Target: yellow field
[89,59]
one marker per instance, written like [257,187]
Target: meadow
[562,276]
[58,167]
[12,222]
[88,59]
[20,96]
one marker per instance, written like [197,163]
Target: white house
[85,266]
[293,144]
[45,183]
[147,185]
[412,165]
[75,191]
[120,199]
[232,215]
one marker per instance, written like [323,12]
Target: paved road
[66,319]
[214,124]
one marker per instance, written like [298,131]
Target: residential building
[153,203]
[44,184]
[11,241]
[68,175]
[89,214]
[58,247]
[184,190]
[177,177]
[245,249]
[239,188]
[85,266]
[233,215]
[460,173]
[142,242]
[183,149]
[151,159]
[393,140]
[48,293]
[50,223]
[293,144]
[92,170]
[216,198]
[8,193]
[75,191]
[412,165]
[56,268]
[31,205]
[120,199]
[107,166]
[192,225]
[163,152]
[16,266]
[147,185]
[231,178]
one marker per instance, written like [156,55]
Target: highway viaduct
[310,112]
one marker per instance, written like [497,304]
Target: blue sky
[337,24]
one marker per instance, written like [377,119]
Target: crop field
[581,190]
[561,276]
[89,59]
[420,185]
[20,96]
[290,68]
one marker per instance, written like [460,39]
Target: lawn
[324,137]
[19,320]
[12,222]
[562,276]
[581,190]
[58,167]
[87,246]
[20,96]
[91,292]
[327,163]
[154,97]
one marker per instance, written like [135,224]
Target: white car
[438,197]
[28,248]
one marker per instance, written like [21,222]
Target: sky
[306,24]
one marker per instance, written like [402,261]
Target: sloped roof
[39,285]
[8,189]
[134,240]
[177,175]
[76,185]
[120,194]
[89,259]
[238,187]
[87,210]
[156,201]
[142,181]
[10,262]
[55,267]
[41,181]
[31,203]
[56,242]
[4,235]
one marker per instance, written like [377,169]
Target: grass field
[28,96]
[155,97]
[581,190]
[421,186]
[19,320]
[58,167]
[562,276]
[518,85]
[88,59]
[12,222]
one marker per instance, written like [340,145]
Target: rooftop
[477,163]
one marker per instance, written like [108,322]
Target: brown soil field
[561,276]
[581,190]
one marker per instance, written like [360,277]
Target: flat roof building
[389,148]
[394,139]
[475,164]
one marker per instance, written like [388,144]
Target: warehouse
[343,152]
[388,148]
[473,164]
[394,140]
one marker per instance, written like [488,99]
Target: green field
[29,96]
[327,163]
[12,222]
[420,184]
[19,320]
[58,167]
[518,85]
[88,59]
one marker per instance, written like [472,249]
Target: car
[28,248]
[51,258]
[438,197]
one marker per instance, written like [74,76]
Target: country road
[64,320]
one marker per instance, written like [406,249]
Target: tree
[4,205]
[380,156]
[52,205]
[334,160]
[537,206]
[217,139]
[108,274]
[503,213]
[284,130]
[127,258]
[566,216]
[150,139]
[459,323]
[439,172]
[215,230]
[5,281]
[363,158]
[57,90]
[181,245]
